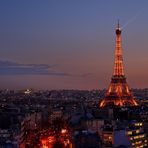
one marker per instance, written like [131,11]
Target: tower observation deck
[118,93]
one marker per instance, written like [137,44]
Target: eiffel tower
[118,93]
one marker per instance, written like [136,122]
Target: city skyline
[70,45]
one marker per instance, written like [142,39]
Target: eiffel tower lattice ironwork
[118,93]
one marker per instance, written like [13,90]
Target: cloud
[13,68]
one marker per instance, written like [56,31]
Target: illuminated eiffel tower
[118,93]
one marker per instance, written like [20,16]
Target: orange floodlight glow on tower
[118,93]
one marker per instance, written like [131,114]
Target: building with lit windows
[137,135]
[108,135]
[128,135]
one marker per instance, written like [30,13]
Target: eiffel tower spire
[118,92]
[118,68]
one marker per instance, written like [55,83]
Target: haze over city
[70,44]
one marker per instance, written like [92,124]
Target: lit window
[140,124]
[109,137]
[129,133]
[137,131]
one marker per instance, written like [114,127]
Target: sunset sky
[69,44]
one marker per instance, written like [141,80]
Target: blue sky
[77,37]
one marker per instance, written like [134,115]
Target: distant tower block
[118,93]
